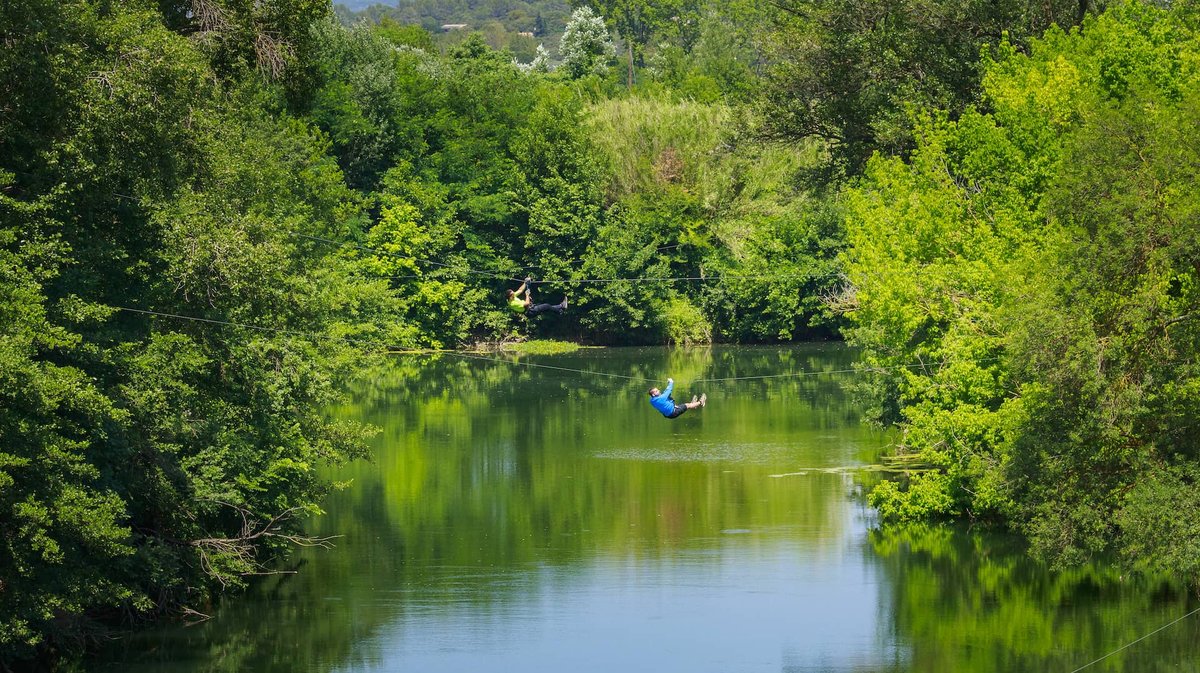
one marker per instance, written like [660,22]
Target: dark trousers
[535,309]
[679,409]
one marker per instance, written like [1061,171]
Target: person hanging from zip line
[667,406]
[526,305]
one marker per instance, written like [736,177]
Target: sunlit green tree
[1026,281]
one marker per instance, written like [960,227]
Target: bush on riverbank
[541,347]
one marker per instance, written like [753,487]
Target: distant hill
[356,5]
[516,25]
[540,17]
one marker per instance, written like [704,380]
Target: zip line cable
[1134,642]
[468,356]
[330,241]
[279,330]
[871,370]
[289,332]
[540,366]
[693,381]
[259,328]
[651,279]
[570,281]
[799,374]
[813,372]
[499,276]
[36,175]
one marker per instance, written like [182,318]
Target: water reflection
[970,601]
[528,519]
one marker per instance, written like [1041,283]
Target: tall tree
[585,47]
[639,21]
[847,72]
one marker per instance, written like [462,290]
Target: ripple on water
[702,452]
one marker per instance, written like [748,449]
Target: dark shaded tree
[848,73]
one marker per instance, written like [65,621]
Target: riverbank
[533,347]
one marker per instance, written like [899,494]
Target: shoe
[703,399]
[564,303]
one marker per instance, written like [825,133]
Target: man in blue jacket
[667,406]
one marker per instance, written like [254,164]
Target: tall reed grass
[704,148]
[646,142]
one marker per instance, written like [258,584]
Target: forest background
[211,212]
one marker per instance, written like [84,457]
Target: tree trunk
[629,43]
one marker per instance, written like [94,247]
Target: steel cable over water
[813,372]
[540,366]
[1138,640]
[330,241]
[472,356]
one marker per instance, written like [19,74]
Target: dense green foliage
[1024,234]
[483,171]
[145,461]
[1041,260]
[289,194]
[711,201]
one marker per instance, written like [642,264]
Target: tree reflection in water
[498,494]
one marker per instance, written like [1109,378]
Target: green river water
[539,520]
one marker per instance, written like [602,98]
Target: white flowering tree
[586,45]
[540,62]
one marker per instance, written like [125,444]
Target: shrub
[686,324]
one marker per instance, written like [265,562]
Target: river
[531,519]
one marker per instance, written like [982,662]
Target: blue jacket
[663,402]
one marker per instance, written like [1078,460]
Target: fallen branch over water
[850,469]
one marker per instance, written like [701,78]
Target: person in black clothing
[526,305]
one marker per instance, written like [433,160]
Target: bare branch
[841,299]
[790,8]
[191,616]
[271,54]
[239,554]
[210,16]
[1179,319]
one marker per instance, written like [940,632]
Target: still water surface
[526,520]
